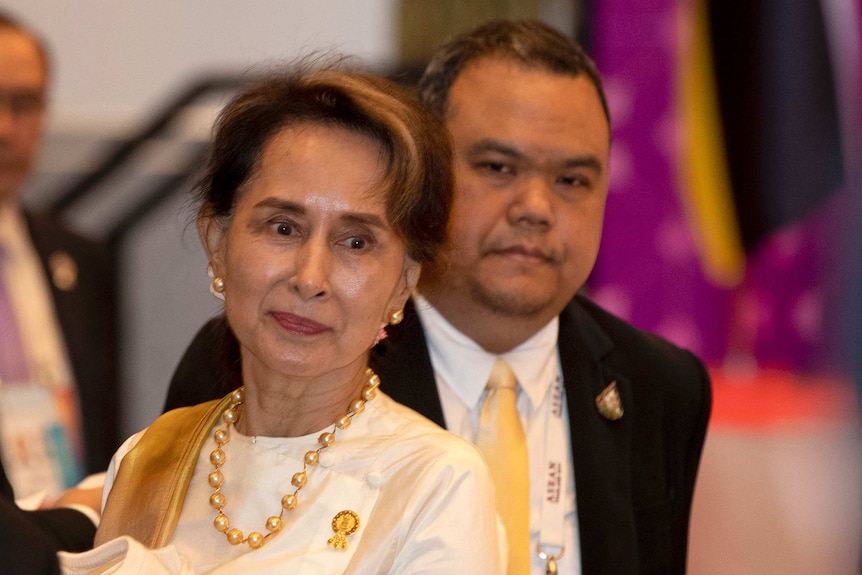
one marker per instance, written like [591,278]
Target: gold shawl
[150,487]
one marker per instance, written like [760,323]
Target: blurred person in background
[57,349]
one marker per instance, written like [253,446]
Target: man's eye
[573,181]
[24,103]
[496,167]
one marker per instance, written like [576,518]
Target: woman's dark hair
[417,183]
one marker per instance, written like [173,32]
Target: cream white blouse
[423,497]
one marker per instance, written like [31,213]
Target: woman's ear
[409,278]
[213,234]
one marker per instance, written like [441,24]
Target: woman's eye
[355,243]
[284,229]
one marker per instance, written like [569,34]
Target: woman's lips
[298,325]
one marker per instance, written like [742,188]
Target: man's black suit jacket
[85,313]
[634,477]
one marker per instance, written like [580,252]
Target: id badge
[40,453]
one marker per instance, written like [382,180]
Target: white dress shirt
[462,368]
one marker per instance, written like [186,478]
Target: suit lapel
[404,366]
[67,304]
[600,447]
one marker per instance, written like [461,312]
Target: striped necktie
[502,441]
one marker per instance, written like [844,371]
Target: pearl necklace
[288,503]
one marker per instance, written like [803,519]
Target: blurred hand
[88,497]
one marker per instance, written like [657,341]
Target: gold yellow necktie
[502,441]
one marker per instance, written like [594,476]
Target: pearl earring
[395,316]
[218,285]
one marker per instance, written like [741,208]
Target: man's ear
[213,234]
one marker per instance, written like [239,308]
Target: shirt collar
[466,366]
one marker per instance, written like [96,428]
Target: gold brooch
[609,403]
[345,523]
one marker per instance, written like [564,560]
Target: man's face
[531,169]
[22,97]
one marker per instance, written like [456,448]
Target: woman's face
[310,264]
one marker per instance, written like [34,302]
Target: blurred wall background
[732,224]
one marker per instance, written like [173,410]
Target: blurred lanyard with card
[40,439]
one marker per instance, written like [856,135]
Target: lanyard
[551,544]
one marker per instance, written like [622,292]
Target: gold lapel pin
[64,271]
[609,403]
[345,523]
